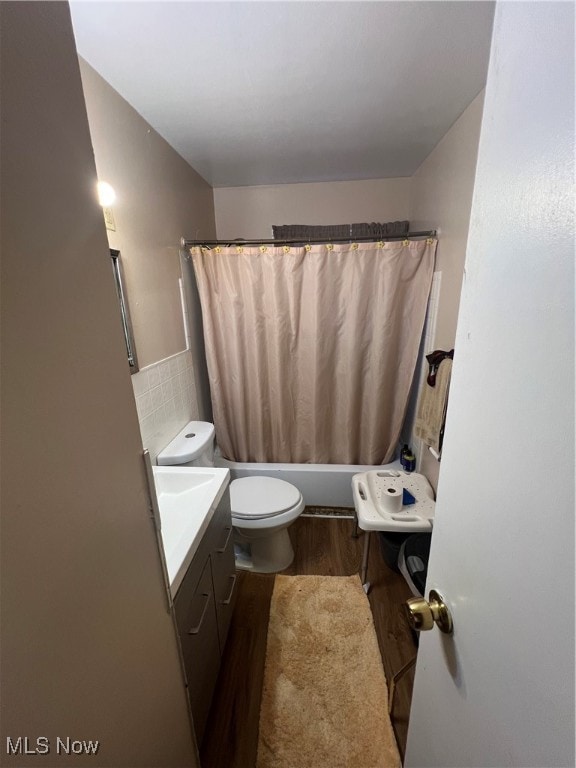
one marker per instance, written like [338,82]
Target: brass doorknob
[423,613]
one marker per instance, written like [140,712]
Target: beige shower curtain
[311,350]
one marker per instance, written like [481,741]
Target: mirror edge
[124,311]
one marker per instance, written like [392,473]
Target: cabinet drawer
[224,576]
[198,631]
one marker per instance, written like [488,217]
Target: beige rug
[325,701]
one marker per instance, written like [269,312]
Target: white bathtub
[321,485]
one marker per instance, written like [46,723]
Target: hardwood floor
[323,547]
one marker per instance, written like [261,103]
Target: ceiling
[280,92]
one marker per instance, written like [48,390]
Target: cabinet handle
[223,549]
[196,629]
[229,598]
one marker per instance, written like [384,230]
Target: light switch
[109,219]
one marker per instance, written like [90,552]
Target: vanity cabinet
[224,580]
[203,606]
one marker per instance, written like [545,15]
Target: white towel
[432,407]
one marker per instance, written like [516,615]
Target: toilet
[262,507]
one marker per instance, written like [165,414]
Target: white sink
[187,498]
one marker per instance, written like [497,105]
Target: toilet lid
[260,497]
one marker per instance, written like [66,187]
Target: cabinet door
[224,575]
[198,629]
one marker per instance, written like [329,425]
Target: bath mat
[324,699]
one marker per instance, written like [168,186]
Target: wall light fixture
[106,194]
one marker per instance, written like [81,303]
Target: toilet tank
[193,446]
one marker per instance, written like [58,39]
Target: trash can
[390,545]
[413,561]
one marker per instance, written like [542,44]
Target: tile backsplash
[165,395]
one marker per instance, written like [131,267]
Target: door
[500,690]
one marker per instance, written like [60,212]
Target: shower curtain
[311,350]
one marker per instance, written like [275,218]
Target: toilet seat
[260,498]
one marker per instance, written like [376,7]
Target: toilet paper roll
[391,499]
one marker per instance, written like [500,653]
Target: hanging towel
[434,359]
[431,416]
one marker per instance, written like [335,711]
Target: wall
[88,648]
[159,199]
[172,200]
[438,196]
[251,211]
[441,198]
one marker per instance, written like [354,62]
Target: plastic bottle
[403,453]
[409,462]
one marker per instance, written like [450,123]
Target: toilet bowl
[262,507]
[262,510]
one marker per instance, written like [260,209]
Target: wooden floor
[323,547]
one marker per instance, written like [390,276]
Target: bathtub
[321,485]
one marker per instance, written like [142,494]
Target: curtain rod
[372,239]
